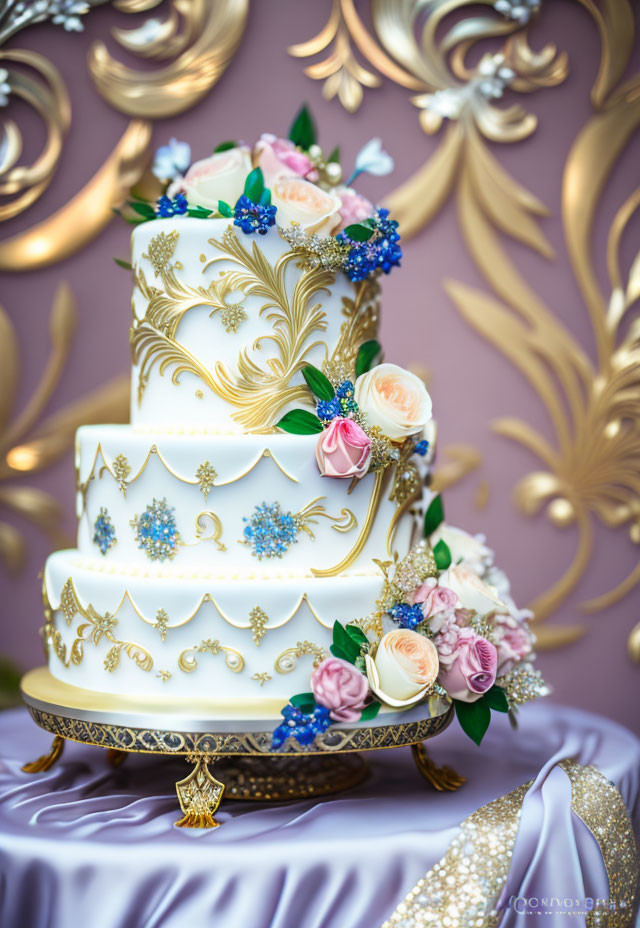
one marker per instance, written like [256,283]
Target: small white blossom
[373,159]
[172,160]
[5,88]
[518,10]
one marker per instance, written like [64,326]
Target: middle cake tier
[197,501]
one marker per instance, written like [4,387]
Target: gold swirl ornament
[210,35]
[187,660]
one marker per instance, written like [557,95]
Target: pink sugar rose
[280,156]
[343,449]
[472,666]
[515,642]
[434,598]
[354,207]
[337,685]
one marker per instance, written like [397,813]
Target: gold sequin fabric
[462,890]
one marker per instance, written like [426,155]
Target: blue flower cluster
[270,531]
[104,533]
[407,616]
[253,217]
[303,728]
[341,405]
[167,207]
[421,448]
[156,531]
[380,253]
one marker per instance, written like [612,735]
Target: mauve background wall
[472,383]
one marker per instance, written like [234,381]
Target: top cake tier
[223,323]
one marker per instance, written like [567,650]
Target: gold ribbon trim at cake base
[470,878]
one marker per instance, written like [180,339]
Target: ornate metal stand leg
[199,795]
[115,757]
[47,760]
[441,778]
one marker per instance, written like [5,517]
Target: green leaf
[442,555]
[338,652]
[224,209]
[318,383]
[143,209]
[300,422]
[369,712]
[125,264]
[303,131]
[199,212]
[366,354]
[304,701]
[345,643]
[254,185]
[359,232]
[224,146]
[496,698]
[334,157]
[129,219]
[265,197]
[434,516]
[474,718]
[356,633]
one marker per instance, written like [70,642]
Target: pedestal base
[244,758]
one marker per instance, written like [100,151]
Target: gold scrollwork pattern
[187,661]
[286,661]
[257,394]
[93,628]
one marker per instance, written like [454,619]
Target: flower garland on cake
[285,182]
[450,630]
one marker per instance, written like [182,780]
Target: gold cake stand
[241,751]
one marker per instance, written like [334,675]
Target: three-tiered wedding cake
[259,511]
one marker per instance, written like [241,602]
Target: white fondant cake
[249,543]
[223,325]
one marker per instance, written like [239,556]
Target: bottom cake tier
[245,642]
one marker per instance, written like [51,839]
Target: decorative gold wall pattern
[202,37]
[29,443]
[592,470]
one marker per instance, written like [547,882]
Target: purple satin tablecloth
[88,845]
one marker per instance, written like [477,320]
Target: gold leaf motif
[161,248]
[206,475]
[258,394]
[161,623]
[286,661]
[121,470]
[258,620]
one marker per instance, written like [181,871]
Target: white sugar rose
[219,177]
[405,666]
[393,399]
[470,549]
[472,592]
[298,200]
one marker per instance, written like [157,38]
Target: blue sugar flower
[253,217]
[156,531]
[177,207]
[303,728]
[345,393]
[104,533]
[329,409]
[407,616]
[270,532]
[379,254]
[421,448]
